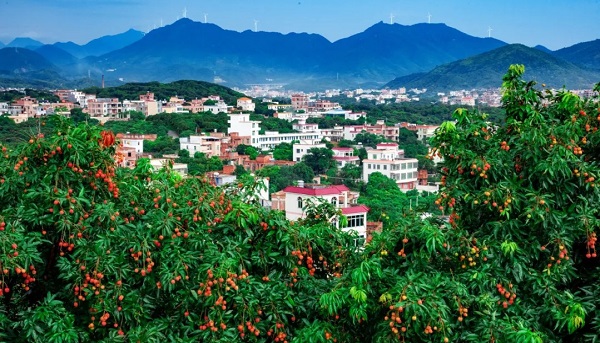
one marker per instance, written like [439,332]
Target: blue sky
[552,23]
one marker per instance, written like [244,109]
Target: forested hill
[186,89]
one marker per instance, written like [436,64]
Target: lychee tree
[516,259]
[91,252]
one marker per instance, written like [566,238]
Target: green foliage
[199,164]
[40,95]
[421,112]
[186,89]
[320,160]
[283,176]
[369,139]
[284,151]
[273,124]
[85,246]
[161,146]
[94,253]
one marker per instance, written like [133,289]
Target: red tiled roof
[316,191]
[355,209]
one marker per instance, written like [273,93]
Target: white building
[245,104]
[340,196]
[3,108]
[272,138]
[300,150]
[133,141]
[159,163]
[344,156]
[388,160]
[208,145]
[215,104]
[242,124]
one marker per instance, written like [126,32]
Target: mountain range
[486,70]
[419,54]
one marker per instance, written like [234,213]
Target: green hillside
[187,89]
[486,70]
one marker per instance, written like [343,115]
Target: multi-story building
[210,146]
[344,156]
[241,123]
[195,106]
[300,102]
[272,138]
[245,104]
[29,106]
[104,107]
[325,105]
[300,150]
[388,160]
[3,108]
[334,134]
[388,132]
[297,197]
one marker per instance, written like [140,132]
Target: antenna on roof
[392,18]
[255,25]
[489,31]
[428,18]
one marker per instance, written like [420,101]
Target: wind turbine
[392,18]
[205,16]
[489,31]
[255,25]
[428,18]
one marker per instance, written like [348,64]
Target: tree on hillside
[319,160]
[283,151]
[368,139]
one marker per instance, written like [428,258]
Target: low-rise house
[245,104]
[340,196]
[344,156]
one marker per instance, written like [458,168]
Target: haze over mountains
[383,52]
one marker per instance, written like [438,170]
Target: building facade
[388,160]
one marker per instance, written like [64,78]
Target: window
[385,167]
[369,166]
[403,176]
[299,202]
[378,167]
[403,165]
[334,201]
[356,220]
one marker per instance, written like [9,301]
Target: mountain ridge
[486,70]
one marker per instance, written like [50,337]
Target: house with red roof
[340,196]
